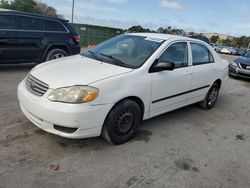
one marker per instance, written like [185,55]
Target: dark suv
[28,37]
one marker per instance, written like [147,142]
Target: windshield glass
[125,50]
[247,54]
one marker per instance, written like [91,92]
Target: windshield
[125,50]
[247,54]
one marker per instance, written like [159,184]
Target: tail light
[76,38]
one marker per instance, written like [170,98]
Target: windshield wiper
[113,58]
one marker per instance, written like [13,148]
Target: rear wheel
[211,97]
[122,122]
[56,54]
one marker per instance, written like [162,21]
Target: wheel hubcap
[212,96]
[57,56]
[124,122]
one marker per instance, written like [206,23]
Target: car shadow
[144,133]
[246,80]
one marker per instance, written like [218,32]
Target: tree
[226,42]
[173,31]
[31,6]
[139,29]
[20,5]
[47,10]
[215,38]
[4,4]
[160,30]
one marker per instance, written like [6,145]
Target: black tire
[211,97]
[55,54]
[122,122]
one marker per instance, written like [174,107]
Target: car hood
[75,70]
[243,60]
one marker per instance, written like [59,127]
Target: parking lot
[189,147]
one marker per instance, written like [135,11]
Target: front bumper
[238,72]
[85,120]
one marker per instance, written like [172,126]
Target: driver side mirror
[159,66]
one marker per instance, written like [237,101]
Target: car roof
[7,11]
[165,36]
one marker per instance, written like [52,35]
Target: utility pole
[73,8]
[248,46]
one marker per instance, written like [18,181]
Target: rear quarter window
[6,21]
[54,26]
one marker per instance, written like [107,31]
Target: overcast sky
[222,16]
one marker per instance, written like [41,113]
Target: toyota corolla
[110,89]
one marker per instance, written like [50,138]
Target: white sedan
[225,50]
[111,88]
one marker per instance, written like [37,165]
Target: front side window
[6,22]
[54,26]
[29,23]
[177,53]
[125,50]
[201,54]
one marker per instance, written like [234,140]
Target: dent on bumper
[88,120]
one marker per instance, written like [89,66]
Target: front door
[8,40]
[170,88]
[30,38]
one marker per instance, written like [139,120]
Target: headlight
[234,64]
[74,94]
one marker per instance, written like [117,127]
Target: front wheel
[211,97]
[122,122]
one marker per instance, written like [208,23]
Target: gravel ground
[189,147]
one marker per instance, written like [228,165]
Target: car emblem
[32,85]
[248,67]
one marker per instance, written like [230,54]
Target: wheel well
[62,47]
[137,100]
[218,82]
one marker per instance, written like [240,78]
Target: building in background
[222,36]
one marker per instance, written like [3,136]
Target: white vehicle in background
[233,51]
[225,50]
[216,47]
[111,88]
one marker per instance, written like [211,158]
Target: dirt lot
[189,147]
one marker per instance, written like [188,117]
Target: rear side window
[177,53]
[54,26]
[29,23]
[201,54]
[6,22]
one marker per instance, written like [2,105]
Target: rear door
[7,38]
[30,38]
[56,33]
[204,70]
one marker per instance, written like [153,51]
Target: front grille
[244,66]
[244,74]
[36,86]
